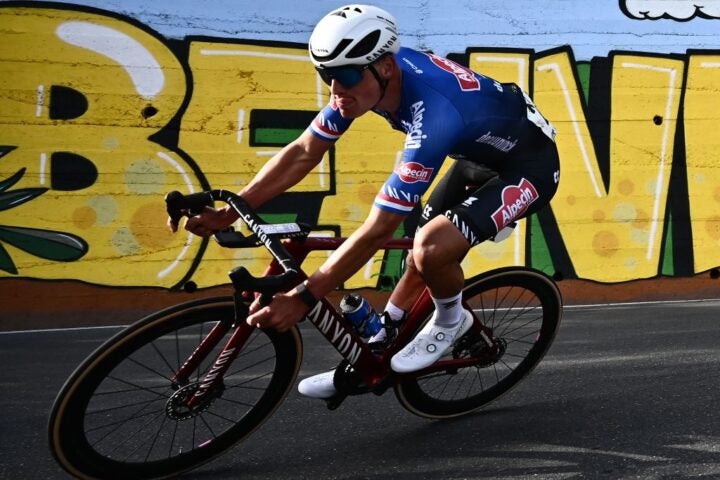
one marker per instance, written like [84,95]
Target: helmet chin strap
[382,82]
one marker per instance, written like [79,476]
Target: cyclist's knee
[437,246]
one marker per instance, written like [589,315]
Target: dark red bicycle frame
[373,367]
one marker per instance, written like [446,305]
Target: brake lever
[179,205]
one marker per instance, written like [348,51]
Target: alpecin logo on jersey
[465,76]
[412,172]
[415,136]
[516,200]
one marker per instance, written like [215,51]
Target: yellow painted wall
[82,197]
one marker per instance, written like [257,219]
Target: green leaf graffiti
[14,198]
[47,244]
[6,262]
[9,182]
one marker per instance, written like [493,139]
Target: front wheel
[121,415]
[522,309]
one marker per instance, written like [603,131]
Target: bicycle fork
[211,382]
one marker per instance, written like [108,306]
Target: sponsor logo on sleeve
[515,201]
[413,172]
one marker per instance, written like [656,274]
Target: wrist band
[306,295]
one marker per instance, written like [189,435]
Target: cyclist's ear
[385,66]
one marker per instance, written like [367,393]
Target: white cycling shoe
[429,345]
[318,386]
[427,348]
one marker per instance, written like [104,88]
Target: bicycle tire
[523,307]
[113,417]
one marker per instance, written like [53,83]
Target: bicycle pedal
[335,401]
[347,380]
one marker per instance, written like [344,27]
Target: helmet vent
[365,46]
[341,13]
[340,47]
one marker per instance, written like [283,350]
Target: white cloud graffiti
[680,10]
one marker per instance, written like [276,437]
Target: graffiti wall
[102,115]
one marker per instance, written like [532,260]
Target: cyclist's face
[358,99]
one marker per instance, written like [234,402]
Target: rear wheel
[120,415]
[522,308]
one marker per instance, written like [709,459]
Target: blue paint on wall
[591,28]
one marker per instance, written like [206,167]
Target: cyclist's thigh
[453,187]
[524,187]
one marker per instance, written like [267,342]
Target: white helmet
[353,35]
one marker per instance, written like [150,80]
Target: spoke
[459,383]
[207,425]
[237,402]
[126,439]
[157,434]
[479,376]
[194,429]
[247,367]
[119,423]
[172,440]
[432,376]
[138,387]
[165,361]
[177,349]
[508,332]
[210,412]
[520,341]
[142,443]
[125,405]
[247,351]
[200,336]
[526,312]
[244,387]
[507,365]
[243,384]
[142,365]
[128,390]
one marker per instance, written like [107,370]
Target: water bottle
[358,311]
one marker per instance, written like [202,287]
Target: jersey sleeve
[328,124]
[427,144]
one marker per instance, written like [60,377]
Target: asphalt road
[626,392]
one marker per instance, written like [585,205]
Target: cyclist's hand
[207,222]
[173,226]
[284,312]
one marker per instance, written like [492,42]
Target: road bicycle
[181,386]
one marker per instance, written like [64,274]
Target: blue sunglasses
[347,75]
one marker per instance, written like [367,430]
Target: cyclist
[501,144]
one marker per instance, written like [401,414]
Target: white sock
[396,313]
[448,311]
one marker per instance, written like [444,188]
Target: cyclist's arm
[285,169]
[355,252]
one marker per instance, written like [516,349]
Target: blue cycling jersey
[446,110]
